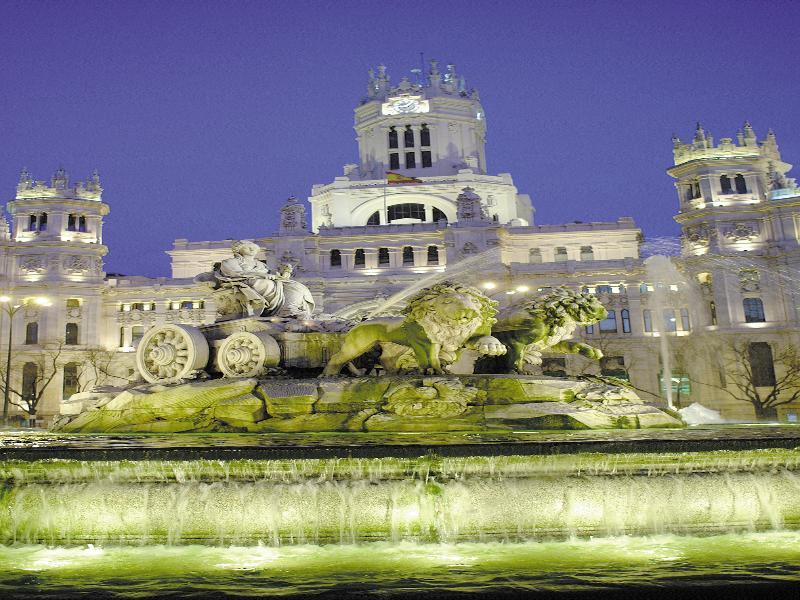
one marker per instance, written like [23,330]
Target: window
[741,184]
[32,223]
[560,254]
[433,255]
[374,218]
[613,366]
[43,222]
[71,334]
[609,324]
[137,333]
[137,306]
[424,136]
[406,211]
[626,320]
[383,257]
[32,333]
[82,223]
[411,160]
[392,137]
[590,330]
[73,303]
[187,305]
[587,253]
[408,137]
[686,324]
[712,307]
[427,160]
[761,365]
[30,376]
[121,337]
[681,386]
[408,256]
[647,317]
[438,215]
[394,161]
[725,184]
[336,259]
[753,310]
[70,384]
[359,259]
[534,255]
[670,322]
[604,289]
[693,190]
[72,222]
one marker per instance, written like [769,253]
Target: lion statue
[544,323]
[438,323]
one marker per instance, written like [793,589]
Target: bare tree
[764,384]
[31,390]
[95,369]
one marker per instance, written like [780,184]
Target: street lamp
[10,309]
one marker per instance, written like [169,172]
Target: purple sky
[202,117]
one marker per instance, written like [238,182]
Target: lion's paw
[490,346]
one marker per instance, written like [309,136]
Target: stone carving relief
[699,236]
[437,397]
[749,279]
[293,216]
[33,265]
[741,232]
[81,265]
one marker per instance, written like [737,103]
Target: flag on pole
[393,178]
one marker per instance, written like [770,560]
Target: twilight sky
[202,117]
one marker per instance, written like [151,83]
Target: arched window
[32,223]
[374,218]
[424,135]
[406,211]
[725,184]
[587,253]
[392,137]
[761,364]
[70,385]
[336,259]
[137,333]
[741,184]
[71,334]
[433,255]
[560,254]
[122,337]
[626,320]
[753,310]
[535,255]
[670,322]
[383,257]
[438,215]
[43,222]
[609,324]
[30,377]
[647,317]
[408,256]
[408,137]
[32,333]
[82,223]
[72,221]
[359,259]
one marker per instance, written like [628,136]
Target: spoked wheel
[246,354]
[171,352]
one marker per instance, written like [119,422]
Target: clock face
[405,105]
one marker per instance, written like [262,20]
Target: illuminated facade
[366,240]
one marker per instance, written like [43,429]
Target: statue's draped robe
[263,291]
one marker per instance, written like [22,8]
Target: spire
[382,81]
[93,185]
[293,217]
[25,177]
[740,137]
[434,76]
[676,142]
[699,136]
[60,179]
[749,134]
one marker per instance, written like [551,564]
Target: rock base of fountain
[371,404]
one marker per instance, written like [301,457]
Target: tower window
[408,137]
[72,221]
[394,161]
[433,255]
[32,222]
[32,333]
[408,256]
[359,259]
[392,137]
[725,184]
[411,160]
[753,310]
[761,364]
[407,211]
[741,184]
[82,223]
[71,334]
[438,215]
[383,257]
[424,136]
[427,159]
[374,218]
[43,222]
[336,259]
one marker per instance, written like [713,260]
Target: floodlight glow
[489,285]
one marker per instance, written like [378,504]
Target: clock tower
[430,127]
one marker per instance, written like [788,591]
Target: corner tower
[434,126]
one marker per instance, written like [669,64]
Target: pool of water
[383,569]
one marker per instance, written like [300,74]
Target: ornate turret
[470,207]
[293,217]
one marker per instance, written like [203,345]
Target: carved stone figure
[245,287]
[440,322]
[544,323]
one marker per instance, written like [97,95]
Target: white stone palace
[367,239]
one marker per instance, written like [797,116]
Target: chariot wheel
[246,354]
[171,352]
